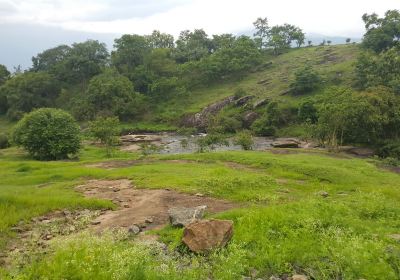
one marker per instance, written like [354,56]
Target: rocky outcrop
[180,216]
[243,100]
[286,143]
[249,118]
[205,235]
[260,103]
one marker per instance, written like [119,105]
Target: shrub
[390,149]
[262,128]
[307,112]
[210,141]
[4,143]
[306,80]
[106,130]
[48,134]
[245,140]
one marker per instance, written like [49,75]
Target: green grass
[283,225]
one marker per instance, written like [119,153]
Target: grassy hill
[271,80]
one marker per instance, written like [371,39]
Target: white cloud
[340,17]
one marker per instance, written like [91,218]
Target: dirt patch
[144,207]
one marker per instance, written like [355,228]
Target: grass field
[284,226]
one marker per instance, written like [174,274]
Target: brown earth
[144,207]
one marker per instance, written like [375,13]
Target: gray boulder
[181,216]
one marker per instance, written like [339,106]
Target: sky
[114,17]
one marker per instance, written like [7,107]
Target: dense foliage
[48,134]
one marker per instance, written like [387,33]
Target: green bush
[306,80]
[106,130]
[210,142]
[4,143]
[245,140]
[48,134]
[390,149]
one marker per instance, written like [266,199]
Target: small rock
[206,235]
[135,229]
[47,237]
[126,205]
[274,278]
[199,194]
[323,194]
[116,190]
[149,220]
[287,143]
[299,277]
[395,236]
[95,223]
[181,216]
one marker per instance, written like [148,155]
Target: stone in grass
[134,229]
[323,193]
[299,277]
[94,223]
[181,216]
[205,235]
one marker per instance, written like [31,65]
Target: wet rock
[181,216]
[205,235]
[134,229]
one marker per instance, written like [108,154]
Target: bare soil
[147,208]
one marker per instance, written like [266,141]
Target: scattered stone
[181,216]
[132,138]
[260,103]
[323,194]
[206,235]
[116,190]
[274,278]
[199,194]
[126,206]
[299,277]
[135,229]
[149,220]
[47,237]
[95,223]
[243,100]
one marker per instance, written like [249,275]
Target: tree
[309,43]
[298,36]
[329,42]
[4,74]
[306,80]
[282,36]
[28,91]
[348,40]
[129,53]
[158,40]
[50,59]
[244,139]
[381,33]
[48,134]
[112,94]
[262,31]
[223,41]
[192,46]
[106,130]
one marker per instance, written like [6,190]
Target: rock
[299,277]
[274,278]
[323,193]
[180,216]
[126,206]
[137,138]
[199,194]
[205,235]
[134,229]
[361,152]
[95,223]
[249,118]
[243,100]
[395,236]
[200,120]
[47,237]
[116,189]
[285,143]
[149,220]
[260,103]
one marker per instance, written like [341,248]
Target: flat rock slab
[138,205]
[206,235]
[182,216]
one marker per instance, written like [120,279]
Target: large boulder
[181,216]
[286,143]
[249,118]
[205,235]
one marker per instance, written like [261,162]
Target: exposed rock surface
[286,143]
[181,216]
[137,138]
[205,235]
[249,118]
[243,100]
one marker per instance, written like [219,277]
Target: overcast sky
[27,27]
[334,17]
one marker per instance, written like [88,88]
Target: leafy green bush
[306,80]
[106,130]
[210,141]
[245,140]
[307,112]
[261,128]
[4,143]
[48,134]
[390,149]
